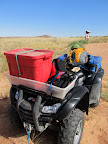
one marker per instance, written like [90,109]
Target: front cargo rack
[40,86]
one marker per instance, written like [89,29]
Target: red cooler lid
[31,53]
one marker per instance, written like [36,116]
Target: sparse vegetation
[83,41]
[80,43]
[75,42]
[105,36]
[98,39]
[105,95]
[3,63]
[59,45]
[105,91]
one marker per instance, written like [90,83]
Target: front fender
[70,102]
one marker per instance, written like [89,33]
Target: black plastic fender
[71,101]
[98,77]
[96,87]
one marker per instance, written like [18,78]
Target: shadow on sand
[7,130]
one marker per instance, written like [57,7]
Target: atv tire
[14,118]
[72,128]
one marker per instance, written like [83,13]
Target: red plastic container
[35,65]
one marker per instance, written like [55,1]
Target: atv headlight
[51,109]
[17,95]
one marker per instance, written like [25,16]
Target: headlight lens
[17,95]
[51,109]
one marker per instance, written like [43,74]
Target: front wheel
[72,128]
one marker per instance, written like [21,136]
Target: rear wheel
[72,128]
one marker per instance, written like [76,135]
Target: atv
[61,102]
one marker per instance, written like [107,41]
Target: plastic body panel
[73,98]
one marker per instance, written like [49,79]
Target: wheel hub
[78,133]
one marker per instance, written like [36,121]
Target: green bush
[76,42]
[83,41]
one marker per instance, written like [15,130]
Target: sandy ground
[99,49]
[96,123]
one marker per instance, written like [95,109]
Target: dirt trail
[99,49]
[96,123]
